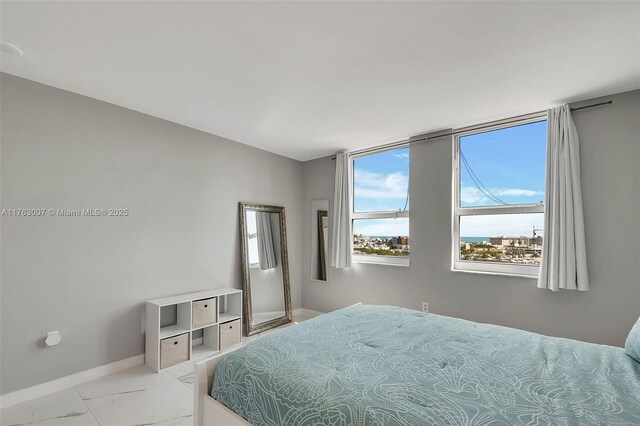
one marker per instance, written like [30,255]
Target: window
[381,207]
[499,194]
[252,234]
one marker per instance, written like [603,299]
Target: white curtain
[564,255]
[266,252]
[341,237]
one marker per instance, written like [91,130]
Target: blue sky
[381,181]
[380,184]
[508,165]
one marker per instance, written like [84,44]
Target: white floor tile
[122,385]
[185,422]
[59,408]
[167,404]
[181,370]
[187,380]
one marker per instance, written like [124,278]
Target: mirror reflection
[323,238]
[319,239]
[265,266]
[266,275]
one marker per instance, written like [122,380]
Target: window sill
[500,274]
[496,268]
[381,260]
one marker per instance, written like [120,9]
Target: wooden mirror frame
[251,329]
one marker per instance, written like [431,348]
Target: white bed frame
[206,410]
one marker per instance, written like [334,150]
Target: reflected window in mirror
[319,239]
[252,235]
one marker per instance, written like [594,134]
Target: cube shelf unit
[173,316]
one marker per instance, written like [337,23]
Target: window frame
[249,238]
[374,258]
[485,267]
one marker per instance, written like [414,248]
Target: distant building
[399,242]
[516,241]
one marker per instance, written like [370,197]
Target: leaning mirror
[265,267]
[323,237]
[319,239]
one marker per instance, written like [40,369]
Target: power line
[478,183]
[483,189]
[406,203]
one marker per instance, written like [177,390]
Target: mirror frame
[322,245]
[251,329]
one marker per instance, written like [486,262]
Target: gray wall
[89,277]
[610,152]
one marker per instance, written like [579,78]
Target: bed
[382,365]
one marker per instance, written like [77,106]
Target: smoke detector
[10,48]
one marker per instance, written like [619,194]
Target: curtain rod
[464,129]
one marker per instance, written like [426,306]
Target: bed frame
[206,410]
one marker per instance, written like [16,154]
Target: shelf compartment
[230,307]
[172,330]
[226,317]
[174,350]
[204,312]
[175,319]
[200,351]
[205,341]
[230,334]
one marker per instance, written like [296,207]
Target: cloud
[372,185]
[510,225]
[472,195]
[384,227]
[515,192]
[401,155]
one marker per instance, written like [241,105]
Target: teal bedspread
[381,365]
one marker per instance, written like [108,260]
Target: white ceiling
[306,79]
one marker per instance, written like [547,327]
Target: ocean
[474,239]
[462,239]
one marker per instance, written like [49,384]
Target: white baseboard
[26,394]
[294,312]
[301,311]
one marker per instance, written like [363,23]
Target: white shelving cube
[172,316]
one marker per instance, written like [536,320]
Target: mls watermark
[64,212]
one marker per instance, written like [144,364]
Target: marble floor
[137,396]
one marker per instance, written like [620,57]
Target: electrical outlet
[425,307]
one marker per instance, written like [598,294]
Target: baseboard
[294,312]
[301,311]
[26,394]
